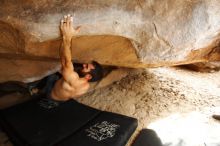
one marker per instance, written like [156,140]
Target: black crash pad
[147,137]
[42,122]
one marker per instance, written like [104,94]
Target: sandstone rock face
[127,33]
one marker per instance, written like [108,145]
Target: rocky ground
[176,103]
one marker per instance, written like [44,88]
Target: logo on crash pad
[102,130]
[48,103]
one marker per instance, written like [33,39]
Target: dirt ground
[176,103]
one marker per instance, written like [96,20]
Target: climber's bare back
[70,85]
[64,90]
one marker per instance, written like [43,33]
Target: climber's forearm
[66,53]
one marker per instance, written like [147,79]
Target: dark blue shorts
[45,85]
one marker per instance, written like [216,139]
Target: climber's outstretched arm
[68,32]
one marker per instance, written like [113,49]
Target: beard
[78,67]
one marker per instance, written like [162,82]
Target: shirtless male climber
[73,84]
[73,80]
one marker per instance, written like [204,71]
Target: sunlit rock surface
[127,33]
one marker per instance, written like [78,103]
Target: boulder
[125,33]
